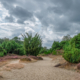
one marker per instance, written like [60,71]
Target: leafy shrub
[2,51]
[5,52]
[72,50]
[47,52]
[72,55]
[42,50]
[19,51]
[1,54]
[10,46]
[56,45]
[54,52]
[62,44]
[75,41]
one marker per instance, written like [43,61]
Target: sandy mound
[15,66]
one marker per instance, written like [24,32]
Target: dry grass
[15,66]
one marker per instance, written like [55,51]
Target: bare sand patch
[15,66]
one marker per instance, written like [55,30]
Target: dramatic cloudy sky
[52,19]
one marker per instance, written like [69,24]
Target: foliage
[72,55]
[11,46]
[72,50]
[32,45]
[1,54]
[62,44]
[54,52]
[2,51]
[17,40]
[75,41]
[43,49]
[19,51]
[56,45]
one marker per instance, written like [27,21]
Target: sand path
[41,70]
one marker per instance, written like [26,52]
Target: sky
[51,19]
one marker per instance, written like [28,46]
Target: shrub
[72,50]
[75,41]
[2,52]
[10,46]
[56,45]
[19,51]
[42,50]
[47,52]
[54,52]
[72,55]
[63,43]
[5,52]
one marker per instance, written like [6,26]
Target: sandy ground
[40,70]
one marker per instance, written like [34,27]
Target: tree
[65,38]
[32,45]
[17,40]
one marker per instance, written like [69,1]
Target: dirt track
[41,70]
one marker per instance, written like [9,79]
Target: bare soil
[40,70]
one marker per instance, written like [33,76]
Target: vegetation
[33,46]
[72,50]
[2,51]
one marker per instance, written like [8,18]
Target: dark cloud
[17,11]
[21,13]
[9,18]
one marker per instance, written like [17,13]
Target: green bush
[54,52]
[72,55]
[19,51]
[75,41]
[5,52]
[2,52]
[10,46]
[56,45]
[72,50]
[48,52]
[63,43]
[42,50]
